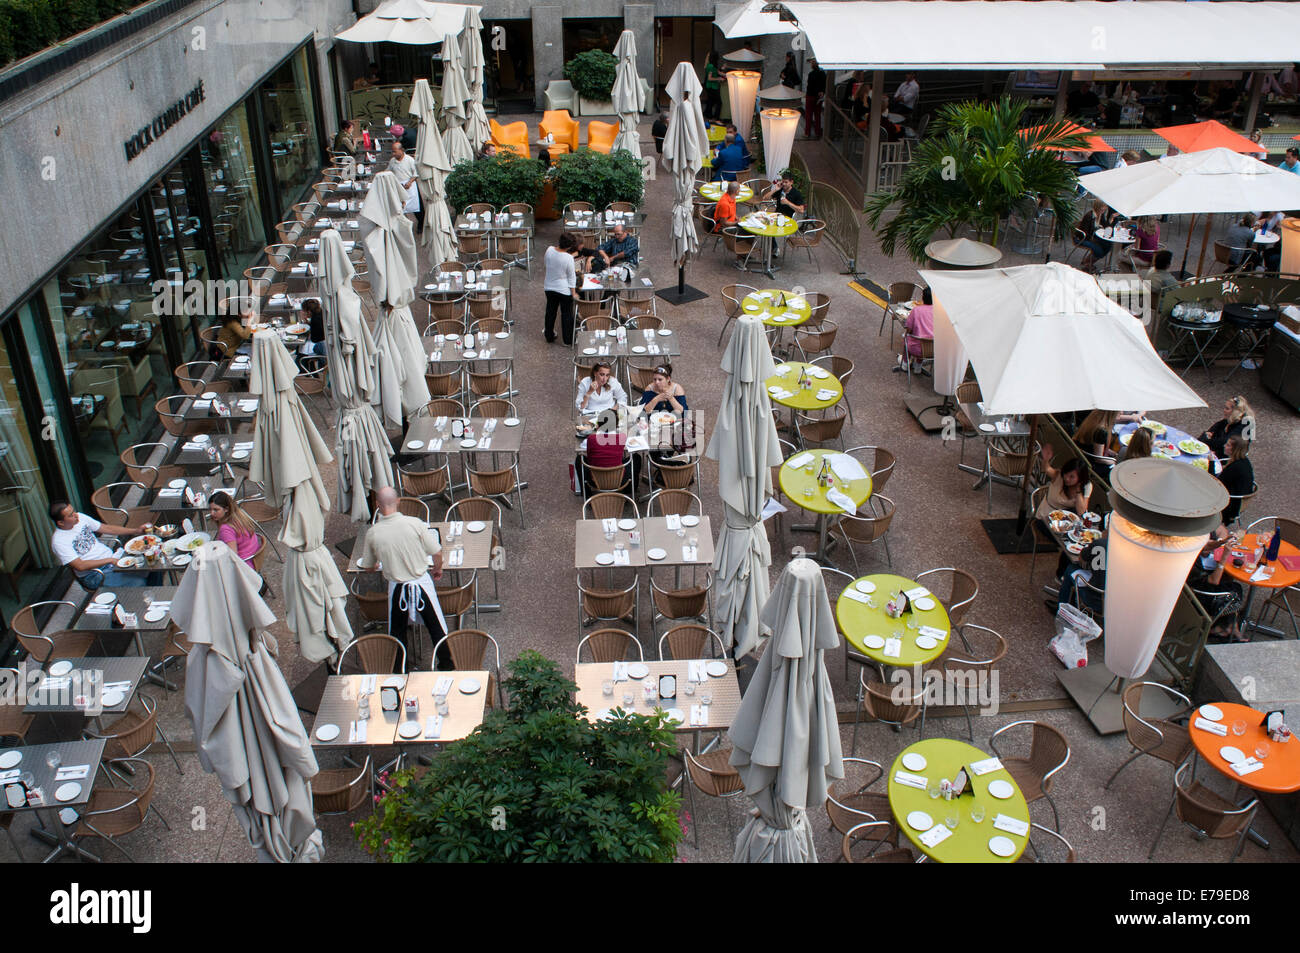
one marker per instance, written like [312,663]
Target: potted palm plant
[977,166]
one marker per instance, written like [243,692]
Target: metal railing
[842,218]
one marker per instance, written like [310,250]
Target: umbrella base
[1099,694]
[307,693]
[685,296]
[928,413]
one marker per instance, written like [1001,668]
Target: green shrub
[34,26]
[536,782]
[77,15]
[6,36]
[592,74]
[589,176]
[499,180]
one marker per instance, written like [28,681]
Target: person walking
[401,546]
[712,100]
[813,101]
[561,286]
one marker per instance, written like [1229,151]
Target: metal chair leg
[1163,824]
[1134,757]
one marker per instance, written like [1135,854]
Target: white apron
[412,199]
[414,594]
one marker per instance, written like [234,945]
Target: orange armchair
[601,135]
[558,123]
[512,136]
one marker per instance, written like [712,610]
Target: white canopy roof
[1214,180]
[415,22]
[1045,339]
[736,20]
[1048,34]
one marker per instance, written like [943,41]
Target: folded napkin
[170,492]
[695,671]
[893,648]
[935,835]
[72,772]
[10,775]
[357,732]
[609,526]
[781,393]
[841,499]
[620,672]
[1248,766]
[456,528]
[1010,825]
[203,405]
[1261,574]
[371,683]
[855,595]
[52,682]
[797,462]
[244,445]
[442,686]
[433,726]
[622,557]
[932,632]
[826,394]
[699,716]
[485,443]
[911,780]
[456,557]
[1213,727]
[843,465]
[191,445]
[917,593]
[689,554]
[96,609]
[673,521]
[984,767]
[121,686]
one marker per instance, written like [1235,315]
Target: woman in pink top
[234,527]
[920,324]
[1147,232]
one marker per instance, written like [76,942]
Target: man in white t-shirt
[77,545]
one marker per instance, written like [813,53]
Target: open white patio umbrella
[471,52]
[455,101]
[431,169]
[626,95]
[413,22]
[737,20]
[287,454]
[745,445]
[785,737]
[686,143]
[1206,182]
[360,442]
[247,729]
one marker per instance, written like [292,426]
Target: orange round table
[1282,577]
[1281,771]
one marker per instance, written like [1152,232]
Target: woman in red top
[234,527]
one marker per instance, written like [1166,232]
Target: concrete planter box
[593,107]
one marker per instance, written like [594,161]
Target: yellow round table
[717,132]
[794,312]
[713,191]
[794,480]
[769,228]
[787,378]
[858,621]
[969,842]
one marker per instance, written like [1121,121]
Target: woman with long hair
[235,528]
[1237,476]
[600,391]
[1139,445]
[1238,418]
[1099,423]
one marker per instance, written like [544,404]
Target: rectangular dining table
[427,431]
[477,548]
[54,695]
[339,707]
[497,347]
[719,714]
[72,754]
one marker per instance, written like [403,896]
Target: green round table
[713,191]
[969,843]
[804,399]
[793,313]
[769,228]
[794,480]
[858,621]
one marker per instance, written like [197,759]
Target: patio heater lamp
[1290,246]
[779,128]
[1163,512]
[742,87]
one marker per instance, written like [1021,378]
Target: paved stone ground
[937,525]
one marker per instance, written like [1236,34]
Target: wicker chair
[819,304]
[340,790]
[428,484]
[488,383]
[676,476]
[842,368]
[1034,856]
[645,320]
[820,430]
[960,587]
[968,392]
[136,460]
[192,378]
[444,383]
[862,846]
[741,244]
[448,309]
[615,479]
[14,724]
[850,803]
[375,654]
[899,292]
[113,812]
[497,483]
[460,600]
[878,461]
[690,642]
[133,733]
[116,514]
[469,653]
[608,506]
[610,603]
[867,529]
[47,646]
[496,407]
[714,776]
[490,324]
[1207,814]
[442,407]
[610,645]
[964,665]
[815,340]
[732,296]
[1035,775]
[673,503]
[1006,459]
[877,700]
[372,605]
[1161,738]
[261,512]
[174,422]
[808,237]
[682,603]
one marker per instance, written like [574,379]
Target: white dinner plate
[914,761]
[155,615]
[414,444]
[664,332]
[1208,712]
[604,559]
[69,815]
[58,669]
[987,428]
[1001,789]
[656,553]
[209,395]
[475,526]
[1231,755]
[716,669]
[112,698]
[201,438]
[627,524]
[68,791]
[1002,846]
[637,670]
[638,349]
[501,335]
[818,373]
[865,585]
[9,759]
[920,821]
[774,389]
[924,603]
[395,681]
[471,353]
[327,732]
[926,642]
[588,350]
[106,598]
[675,715]
[239,455]
[874,641]
[408,729]
[511,421]
[468,443]
[177,484]
[468,686]
[182,560]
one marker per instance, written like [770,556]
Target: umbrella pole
[1021,516]
[681,280]
[1187,247]
[1205,240]
[683,293]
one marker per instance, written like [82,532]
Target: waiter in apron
[400,546]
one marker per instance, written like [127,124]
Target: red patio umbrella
[1095,143]
[1210,134]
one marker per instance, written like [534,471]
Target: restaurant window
[289,107]
[231,181]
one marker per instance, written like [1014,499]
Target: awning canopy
[737,20]
[1048,34]
[414,22]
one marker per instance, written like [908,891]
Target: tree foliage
[499,180]
[590,176]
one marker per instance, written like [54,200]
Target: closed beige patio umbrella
[432,166]
[471,53]
[455,100]
[626,95]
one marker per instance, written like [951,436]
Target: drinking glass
[607,688]
[933,789]
[688,688]
[977,813]
[1239,728]
[1262,750]
[619,547]
[706,697]
[627,700]
[808,492]
[952,818]
[148,601]
[443,707]
[694,541]
[53,759]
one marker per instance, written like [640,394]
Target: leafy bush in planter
[589,176]
[592,74]
[500,180]
[29,26]
[535,783]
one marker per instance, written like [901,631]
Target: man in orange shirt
[724,213]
